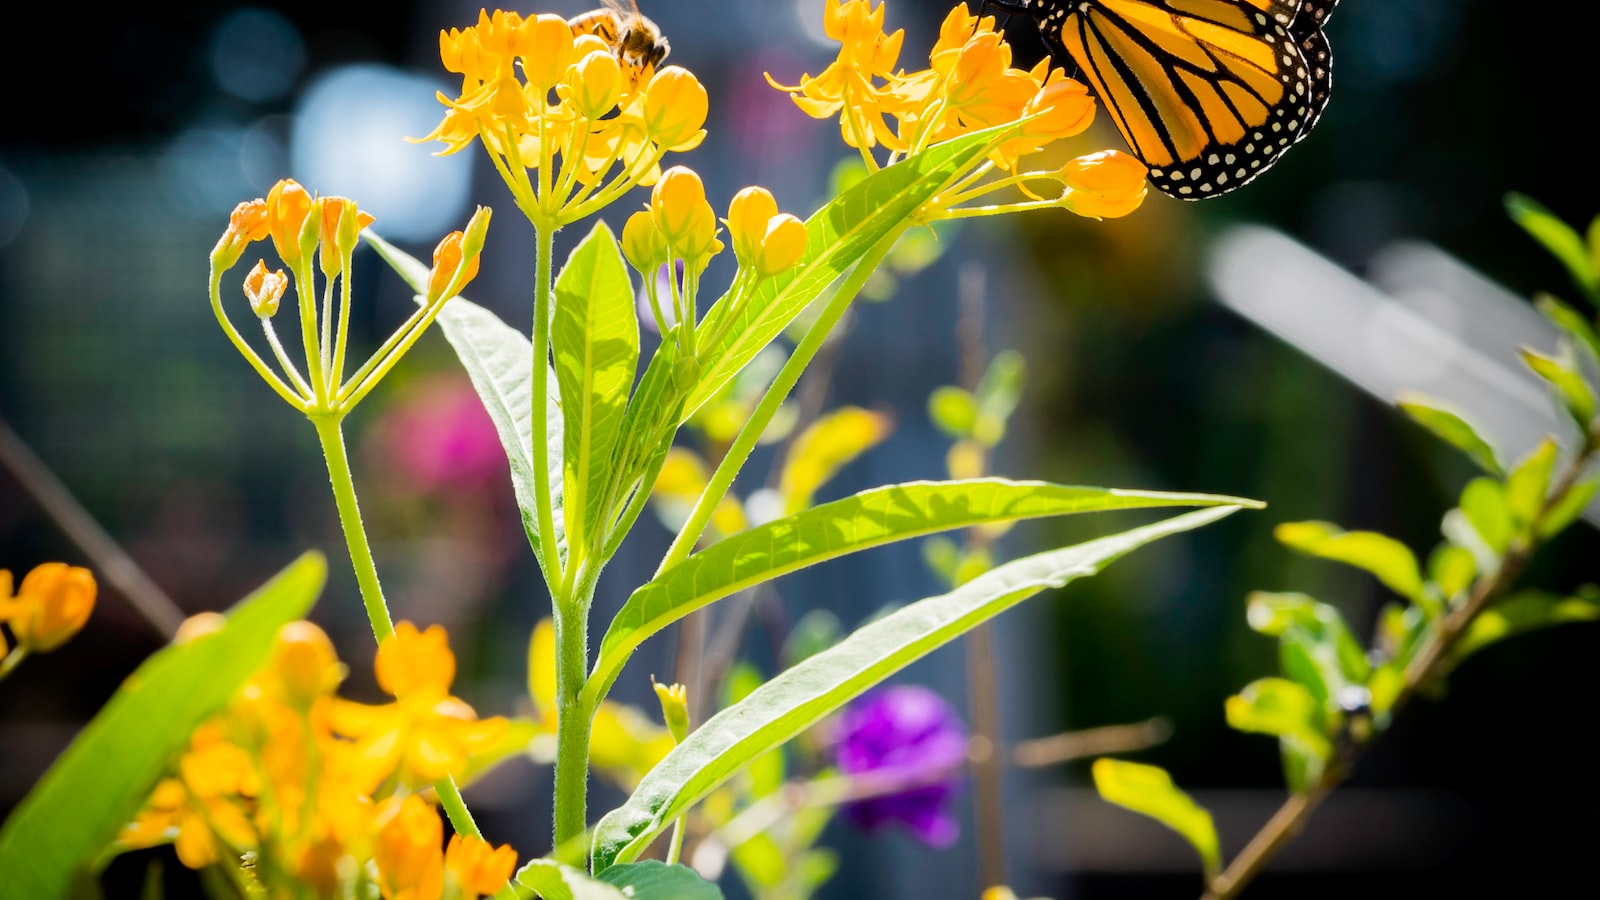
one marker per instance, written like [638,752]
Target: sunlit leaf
[1283,709]
[595,338]
[1529,482]
[1483,502]
[553,881]
[100,781]
[868,519]
[1563,242]
[1450,427]
[1524,612]
[654,880]
[1563,374]
[954,410]
[798,698]
[1386,558]
[1317,647]
[1569,506]
[1572,322]
[1149,791]
[1452,569]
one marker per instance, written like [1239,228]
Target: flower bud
[1103,185]
[288,205]
[595,85]
[678,206]
[643,244]
[342,222]
[675,109]
[264,289]
[544,43]
[674,708]
[748,216]
[51,606]
[304,665]
[1065,110]
[783,245]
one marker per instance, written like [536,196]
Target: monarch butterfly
[1207,93]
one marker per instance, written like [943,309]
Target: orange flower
[52,604]
[1103,185]
[288,206]
[407,851]
[246,225]
[264,289]
[477,868]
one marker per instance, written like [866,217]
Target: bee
[637,41]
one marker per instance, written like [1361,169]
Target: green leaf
[803,695]
[1386,558]
[1571,321]
[1000,389]
[954,410]
[595,336]
[499,361]
[868,519]
[654,880]
[1563,242]
[1483,502]
[839,234]
[1452,569]
[1149,791]
[1451,428]
[1563,374]
[101,780]
[653,416]
[1524,612]
[1569,507]
[1529,483]
[1316,647]
[554,881]
[1284,709]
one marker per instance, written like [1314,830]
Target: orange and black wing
[1208,93]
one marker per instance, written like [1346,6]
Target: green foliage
[99,782]
[1451,428]
[1565,376]
[1149,791]
[596,340]
[1572,322]
[553,881]
[838,235]
[1524,612]
[1290,712]
[868,519]
[799,697]
[1529,483]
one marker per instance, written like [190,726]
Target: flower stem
[574,715]
[12,660]
[804,352]
[355,536]
[543,278]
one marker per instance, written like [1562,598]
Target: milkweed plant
[234,745]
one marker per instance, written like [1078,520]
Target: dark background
[122,148]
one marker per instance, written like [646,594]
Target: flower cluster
[51,605]
[325,230]
[969,85]
[546,100]
[314,787]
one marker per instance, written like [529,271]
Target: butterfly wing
[1208,93]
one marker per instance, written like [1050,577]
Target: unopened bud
[264,289]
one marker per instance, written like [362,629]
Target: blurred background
[1167,350]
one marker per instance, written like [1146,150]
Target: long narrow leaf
[868,519]
[104,776]
[838,235]
[596,339]
[499,360]
[801,696]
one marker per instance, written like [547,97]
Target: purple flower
[905,735]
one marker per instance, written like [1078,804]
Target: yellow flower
[477,868]
[303,666]
[264,289]
[52,604]
[675,109]
[674,708]
[407,852]
[643,244]
[1103,185]
[425,734]
[205,808]
[288,206]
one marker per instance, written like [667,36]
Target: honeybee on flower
[637,41]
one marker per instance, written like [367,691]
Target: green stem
[355,535]
[12,660]
[545,236]
[804,352]
[574,715]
